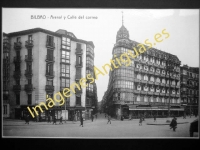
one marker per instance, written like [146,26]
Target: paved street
[99,129]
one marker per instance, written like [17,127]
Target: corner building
[42,63]
[145,86]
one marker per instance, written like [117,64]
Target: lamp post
[169,68]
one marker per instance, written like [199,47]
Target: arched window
[138,98]
[146,77]
[152,79]
[163,80]
[139,87]
[145,99]
[138,76]
[158,80]
[163,71]
[145,88]
[163,90]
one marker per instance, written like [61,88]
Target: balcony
[149,63]
[156,73]
[150,72]
[49,88]
[143,92]
[136,92]
[17,59]
[156,65]
[144,81]
[173,86]
[17,45]
[78,91]
[136,69]
[78,65]
[173,77]
[172,95]
[29,44]
[28,87]
[17,74]
[177,78]
[151,82]
[17,88]
[6,45]
[50,74]
[167,94]
[137,80]
[183,95]
[156,93]
[136,59]
[162,94]
[163,75]
[50,45]
[177,86]
[156,83]
[49,59]
[177,95]
[162,84]
[79,51]
[28,58]
[150,93]
[78,76]
[144,71]
[167,76]
[143,61]
[161,66]
[28,73]
[167,85]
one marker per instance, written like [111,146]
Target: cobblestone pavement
[99,129]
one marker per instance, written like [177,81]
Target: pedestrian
[92,117]
[143,118]
[184,116]
[27,119]
[49,119]
[140,121]
[61,120]
[54,120]
[109,119]
[96,116]
[122,118]
[173,124]
[81,120]
[154,118]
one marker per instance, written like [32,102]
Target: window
[18,99]
[65,41]
[29,99]
[49,54]
[4,109]
[49,82]
[146,77]
[89,62]
[50,40]
[29,37]
[79,60]
[78,100]
[29,81]
[78,45]
[49,69]
[67,100]
[65,83]
[65,70]
[18,39]
[65,57]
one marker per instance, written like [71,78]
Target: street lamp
[169,68]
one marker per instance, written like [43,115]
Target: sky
[181,24]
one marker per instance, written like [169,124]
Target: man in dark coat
[92,117]
[81,120]
[61,120]
[54,120]
[140,121]
[27,119]
[49,119]
[154,118]
[109,119]
[173,124]
[122,118]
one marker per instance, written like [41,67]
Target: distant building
[144,87]
[38,63]
[190,89]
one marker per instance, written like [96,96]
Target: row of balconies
[28,44]
[156,83]
[28,58]
[155,93]
[189,95]
[145,62]
[155,73]
[29,87]
[17,74]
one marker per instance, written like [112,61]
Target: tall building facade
[145,86]
[190,89]
[43,63]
